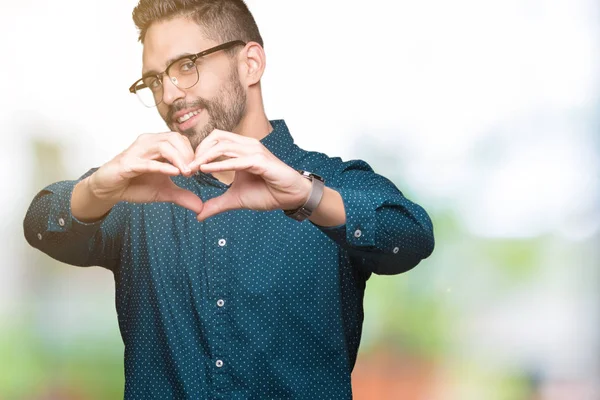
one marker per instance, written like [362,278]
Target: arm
[388,232]
[83,222]
[360,210]
[51,227]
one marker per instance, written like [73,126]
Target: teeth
[187,116]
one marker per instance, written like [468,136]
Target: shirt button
[61,222]
[39,236]
[220,302]
[222,242]
[357,233]
[396,250]
[219,363]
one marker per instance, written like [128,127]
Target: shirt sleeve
[50,227]
[388,233]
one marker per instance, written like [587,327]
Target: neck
[254,125]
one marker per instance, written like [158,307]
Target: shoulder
[326,165]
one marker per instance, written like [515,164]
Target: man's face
[218,100]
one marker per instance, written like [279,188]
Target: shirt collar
[279,141]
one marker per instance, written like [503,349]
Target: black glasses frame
[139,84]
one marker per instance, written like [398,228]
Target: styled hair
[220,20]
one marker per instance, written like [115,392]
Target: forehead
[171,38]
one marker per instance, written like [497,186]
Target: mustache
[182,105]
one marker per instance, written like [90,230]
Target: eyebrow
[167,63]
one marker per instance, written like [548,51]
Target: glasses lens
[183,73]
[149,91]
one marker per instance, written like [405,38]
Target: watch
[316,193]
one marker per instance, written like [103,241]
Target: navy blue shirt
[247,304]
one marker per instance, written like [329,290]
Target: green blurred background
[485,113]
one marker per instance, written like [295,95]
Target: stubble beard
[225,110]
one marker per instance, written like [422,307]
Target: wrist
[307,185]
[85,205]
[331,211]
[316,184]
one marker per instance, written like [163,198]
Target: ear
[252,62]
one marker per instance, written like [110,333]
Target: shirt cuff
[360,227]
[60,217]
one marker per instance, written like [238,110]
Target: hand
[262,181]
[142,172]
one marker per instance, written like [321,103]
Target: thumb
[183,198]
[217,205]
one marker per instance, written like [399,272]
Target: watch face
[307,174]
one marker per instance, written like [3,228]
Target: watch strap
[316,194]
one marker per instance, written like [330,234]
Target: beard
[225,110]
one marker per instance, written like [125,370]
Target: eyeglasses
[182,72]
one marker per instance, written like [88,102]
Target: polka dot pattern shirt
[247,304]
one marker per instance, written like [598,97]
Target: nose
[171,92]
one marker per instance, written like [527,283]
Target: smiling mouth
[187,116]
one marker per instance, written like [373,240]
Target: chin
[196,136]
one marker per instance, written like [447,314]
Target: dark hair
[220,20]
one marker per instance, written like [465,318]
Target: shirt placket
[218,304]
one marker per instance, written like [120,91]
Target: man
[219,293]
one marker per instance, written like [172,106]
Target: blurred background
[484,112]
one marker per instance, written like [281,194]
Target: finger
[218,205]
[221,135]
[164,149]
[227,149]
[143,166]
[182,144]
[183,198]
[145,142]
[204,146]
[213,138]
[218,135]
[233,164]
